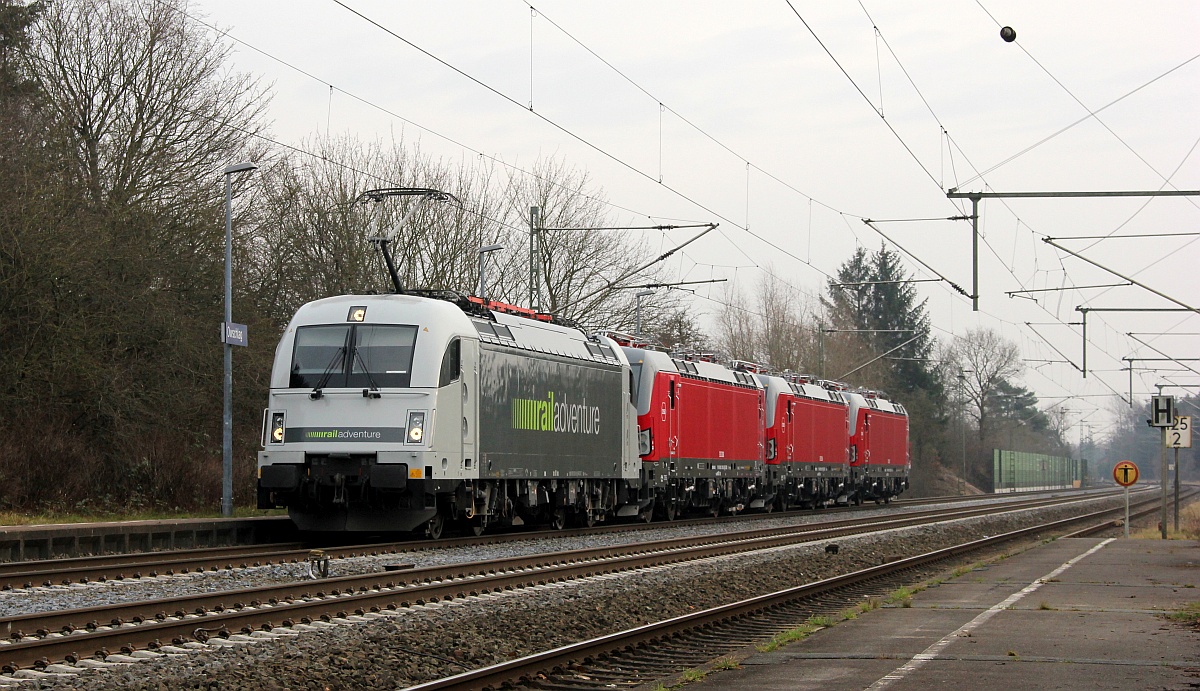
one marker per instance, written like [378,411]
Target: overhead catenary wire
[950,139]
[387,111]
[1085,118]
[1091,113]
[878,111]
[870,224]
[735,224]
[986,242]
[579,138]
[753,234]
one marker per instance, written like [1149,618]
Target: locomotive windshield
[352,355]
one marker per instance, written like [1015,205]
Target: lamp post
[482,275]
[227,432]
[637,323]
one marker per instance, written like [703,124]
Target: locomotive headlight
[415,433]
[277,428]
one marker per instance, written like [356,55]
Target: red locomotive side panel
[698,419]
[888,442]
[719,421]
[808,431]
[821,432]
[880,439]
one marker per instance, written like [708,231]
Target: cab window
[319,353]
[451,363]
[360,355]
[382,355]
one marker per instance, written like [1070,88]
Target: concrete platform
[30,542]
[1070,614]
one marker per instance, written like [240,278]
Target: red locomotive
[716,438]
[879,462]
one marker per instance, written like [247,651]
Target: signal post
[1162,415]
[1126,474]
[1178,436]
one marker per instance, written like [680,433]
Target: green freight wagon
[1019,471]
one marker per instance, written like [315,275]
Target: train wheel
[477,527]
[559,520]
[671,511]
[714,509]
[435,527]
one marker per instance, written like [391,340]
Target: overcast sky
[770,124]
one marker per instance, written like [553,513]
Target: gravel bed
[55,598]
[423,643]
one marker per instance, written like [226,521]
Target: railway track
[36,640]
[634,657]
[51,572]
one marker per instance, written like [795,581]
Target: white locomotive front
[402,412]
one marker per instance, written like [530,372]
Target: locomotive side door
[864,440]
[670,415]
[450,409]
[470,405]
[789,436]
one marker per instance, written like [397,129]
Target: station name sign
[235,334]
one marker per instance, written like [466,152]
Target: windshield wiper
[373,392]
[316,392]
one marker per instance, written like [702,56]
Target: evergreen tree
[879,302]
[884,306]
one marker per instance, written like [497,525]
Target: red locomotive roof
[629,340]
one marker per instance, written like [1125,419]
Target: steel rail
[557,660]
[49,572]
[180,619]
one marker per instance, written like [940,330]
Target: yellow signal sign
[1125,473]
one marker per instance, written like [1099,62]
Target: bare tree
[115,240]
[147,99]
[311,234]
[677,329]
[312,238]
[737,326]
[786,331]
[985,360]
[582,270]
[778,330]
